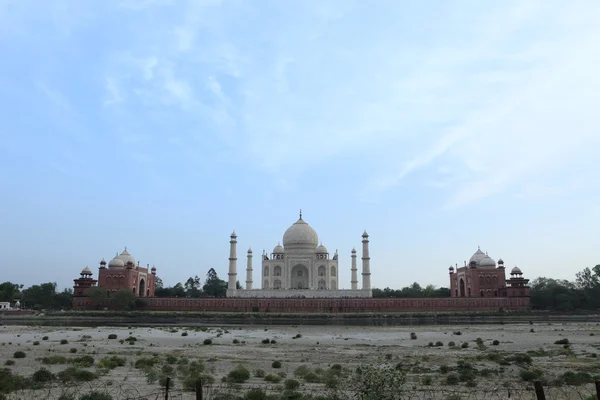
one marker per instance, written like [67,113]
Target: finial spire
[300,213]
[125,248]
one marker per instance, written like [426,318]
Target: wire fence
[114,390]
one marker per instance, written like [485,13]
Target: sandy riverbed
[314,346]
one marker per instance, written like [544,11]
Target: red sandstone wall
[329,305]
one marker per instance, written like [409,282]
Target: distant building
[5,305]
[122,273]
[301,268]
[482,277]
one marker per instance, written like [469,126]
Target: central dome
[300,234]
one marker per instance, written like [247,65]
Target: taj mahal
[301,268]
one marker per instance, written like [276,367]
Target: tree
[123,299]
[97,294]
[213,286]
[63,300]
[555,294]
[39,296]
[588,281]
[192,287]
[158,284]
[10,291]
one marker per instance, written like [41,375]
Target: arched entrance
[142,290]
[462,287]
[322,284]
[299,278]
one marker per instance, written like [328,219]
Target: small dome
[125,256]
[353,250]
[153,269]
[116,263]
[500,261]
[487,261]
[477,256]
[451,269]
[103,262]
[365,234]
[278,249]
[249,251]
[515,271]
[300,234]
[233,235]
[321,249]
[86,271]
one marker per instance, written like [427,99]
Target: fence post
[539,390]
[198,389]
[598,389]
[167,388]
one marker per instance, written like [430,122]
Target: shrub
[272,378]
[45,338]
[238,375]
[464,345]
[84,361]
[73,350]
[207,341]
[562,341]
[76,374]
[171,359]
[301,371]
[19,354]
[291,384]
[452,379]
[259,373]
[388,356]
[184,333]
[529,376]
[426,381]
[112,362]
[413,336]
[276,364]
[42,375]
[457,333]
[36,343]
[9,362]
[479,341]
[439,344]
[266,341]
[451,344]
[163,381]
[64,341]
[496,342]
[444,369]
[112,336]
[273,341]
[96,395]
[235,341]
[298,336]
[143,363]
[312,377]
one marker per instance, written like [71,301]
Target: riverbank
[151,318]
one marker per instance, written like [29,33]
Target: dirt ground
[316,347]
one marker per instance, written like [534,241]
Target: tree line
[546,293]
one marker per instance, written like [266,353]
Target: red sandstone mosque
[122,273]
[300,276]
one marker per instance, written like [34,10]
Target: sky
[437,126]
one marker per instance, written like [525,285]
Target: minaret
[354,281]
[232,264]
[366,267]
[249,271]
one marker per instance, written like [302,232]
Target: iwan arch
[301,268]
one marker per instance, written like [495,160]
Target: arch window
[266,273]
[333,285]
[322,270]
[322,284]
[277,284]
[277,271]
[266,284]
[488,280]
[333,271]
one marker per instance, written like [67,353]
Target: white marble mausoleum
[301,268]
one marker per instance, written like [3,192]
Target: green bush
[266,341]
[452,379]
[207,341]
[276,364]
[171,359]
[42,375]
[96,395]
[36,343]
[111,362]
[427,381]
[238,375]
[64,341]
[562,341]
[291,384]
[302,370]
[260,394]
[444,369]
[272,378]
[413,336]
[45,338]
[529,376]
[72,374]
[184,333]
[451,344]
[112,336]
[496,342]
[83,361]
[19,354]
[236,341]
[259,373]
[9,362]
[439,344]
[464,345]
[73,350]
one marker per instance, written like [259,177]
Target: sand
[316,346]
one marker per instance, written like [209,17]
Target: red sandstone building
[122,273]
[482,278]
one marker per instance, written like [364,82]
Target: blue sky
[163,125]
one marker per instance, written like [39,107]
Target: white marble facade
[300,268]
